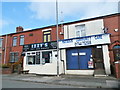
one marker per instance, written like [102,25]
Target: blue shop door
[72,59]
[84,57]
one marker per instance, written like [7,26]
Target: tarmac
[72,80]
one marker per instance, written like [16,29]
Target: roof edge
[65,23]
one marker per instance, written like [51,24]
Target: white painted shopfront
[79,54]
[41,59]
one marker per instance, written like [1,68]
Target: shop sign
[40,46]
[90,64]
[85,41]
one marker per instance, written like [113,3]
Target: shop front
[40,58]
[85,55]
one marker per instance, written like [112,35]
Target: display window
[47,56]
[42,57]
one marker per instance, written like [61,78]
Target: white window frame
[15,41]
[1,42]
[22,37]
[80,32]
[15,57]
[41,62]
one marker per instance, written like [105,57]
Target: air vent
[31,34]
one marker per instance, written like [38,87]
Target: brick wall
[112,23]
[117,69]
[31,36]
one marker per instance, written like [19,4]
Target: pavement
[72,80]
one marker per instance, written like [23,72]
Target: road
[12,81]
[6,83]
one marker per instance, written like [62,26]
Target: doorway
[97,55]
[77,59]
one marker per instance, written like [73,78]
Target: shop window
[80,30]
[46,36]
[31,60]
[116,51]
[35,59]
[14,41]
[47,56]
[14,57]
[22,40]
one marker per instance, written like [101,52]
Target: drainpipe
[5,49]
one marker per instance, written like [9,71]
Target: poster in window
[43,61]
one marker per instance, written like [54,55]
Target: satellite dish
[105,30]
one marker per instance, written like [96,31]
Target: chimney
[19,29]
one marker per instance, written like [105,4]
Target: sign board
[40,46]
[85,41]
[74,54]
[83,53]
[90,64]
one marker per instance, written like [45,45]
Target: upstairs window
[46,36]
[14,41]
[1,40]
[22,40]
[80,30]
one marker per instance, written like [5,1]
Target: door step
[99,73]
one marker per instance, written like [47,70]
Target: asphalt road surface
[22,84]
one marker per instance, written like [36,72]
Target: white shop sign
[85,41]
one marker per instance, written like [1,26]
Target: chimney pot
[19,29]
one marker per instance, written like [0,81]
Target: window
[80,30]
[47,56]
[116,51]
[22,40]
[14,41]
[46,36]
[1,40]
[33,59]
[14,57]
[39,57]
[31,34]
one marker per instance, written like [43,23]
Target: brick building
[13,42]
[87,48]
[11,45]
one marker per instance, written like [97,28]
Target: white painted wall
[92,28]
[47,69]
[80,72]
[106,59]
